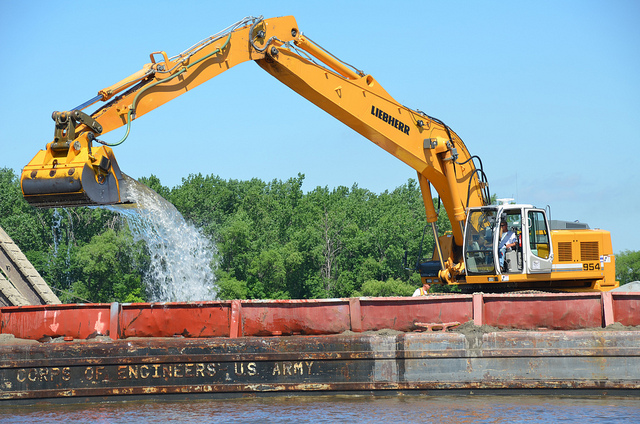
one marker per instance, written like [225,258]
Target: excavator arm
[73,171]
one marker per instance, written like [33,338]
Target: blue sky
[547,93]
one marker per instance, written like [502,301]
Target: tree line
[273,240]
[276,241]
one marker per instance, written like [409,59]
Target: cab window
[538,235]
[479,242]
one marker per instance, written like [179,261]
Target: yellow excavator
[491,247]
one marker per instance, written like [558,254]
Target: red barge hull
[510,343]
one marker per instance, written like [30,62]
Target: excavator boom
[68,173]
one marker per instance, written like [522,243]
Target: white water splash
[58,230]
[181,256]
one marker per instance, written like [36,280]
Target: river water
[329,409]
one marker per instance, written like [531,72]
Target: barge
[447,344]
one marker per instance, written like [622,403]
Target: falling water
[181,256]
[57,231]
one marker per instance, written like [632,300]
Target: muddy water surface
[329,409]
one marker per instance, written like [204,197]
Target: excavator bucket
[73,174]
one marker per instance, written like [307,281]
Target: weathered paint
[45,322]
[596,360]
[326,345]
[202,319]
[566,311]
[556,311]
[626,308]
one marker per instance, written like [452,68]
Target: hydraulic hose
[132,109]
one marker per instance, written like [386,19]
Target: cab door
[538,248]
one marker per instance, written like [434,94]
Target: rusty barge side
[239,348]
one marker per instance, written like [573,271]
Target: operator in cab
[508,240]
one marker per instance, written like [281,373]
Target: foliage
[110,269]
[628,266]
[230,288]
[282,243]
[391,287]
[28,229]
[85,254]
[273,240]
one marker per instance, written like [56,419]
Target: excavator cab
[507,239]
[71,171]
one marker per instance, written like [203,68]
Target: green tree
[628,266]
[230,288]
[154,184]
[273,240]
[111,267]
[391,287]
[27,226]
